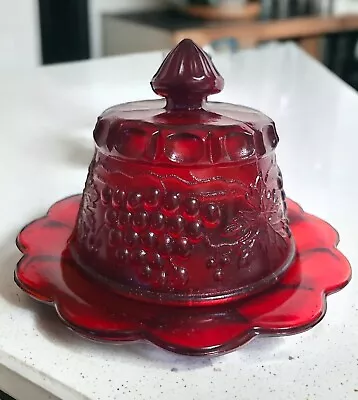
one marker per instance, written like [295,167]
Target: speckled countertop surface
[47,116]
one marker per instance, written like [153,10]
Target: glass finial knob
[187,77]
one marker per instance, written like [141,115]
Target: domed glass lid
[186,128]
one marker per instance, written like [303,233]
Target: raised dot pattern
[151,229]
[179,228]
[217,266]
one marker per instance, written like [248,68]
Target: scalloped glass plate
[296,303]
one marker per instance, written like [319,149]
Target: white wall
[97,7]
[19,26]
[20,44]
[344,6]
[19,34]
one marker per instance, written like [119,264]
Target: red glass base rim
[296,303]
[195,299]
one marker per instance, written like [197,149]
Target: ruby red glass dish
[296,303]
[182,235]
[184,201]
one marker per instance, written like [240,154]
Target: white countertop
[46,121]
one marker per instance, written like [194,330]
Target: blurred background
[41,32]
